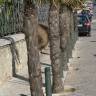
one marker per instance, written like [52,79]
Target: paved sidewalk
[19,85]
[82,74]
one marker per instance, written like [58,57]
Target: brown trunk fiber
[70,41]
[34,67]
[69,34]
[75,25]
[54,37]
[64,35]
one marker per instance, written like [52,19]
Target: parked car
[84,24]
[88,12]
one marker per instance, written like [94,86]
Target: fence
[43,12]
[11,16]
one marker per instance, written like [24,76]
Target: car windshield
[83,19]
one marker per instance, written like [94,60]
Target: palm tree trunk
[68,47]
[54,38]
[64,35]
[30,30]
[75,25]
[71,30]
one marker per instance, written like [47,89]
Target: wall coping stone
[16,37]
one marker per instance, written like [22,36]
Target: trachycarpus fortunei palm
[54,36]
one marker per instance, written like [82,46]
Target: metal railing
[11,17]
[43,12]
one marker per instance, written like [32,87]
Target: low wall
[7,64]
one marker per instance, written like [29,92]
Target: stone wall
[7,64]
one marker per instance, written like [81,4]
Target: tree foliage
[3,1]
[70,3]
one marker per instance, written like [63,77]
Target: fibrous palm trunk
[64,35]
[30,30]
[71,30]
[54,37]
[75,24]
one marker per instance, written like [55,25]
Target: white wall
[6,56]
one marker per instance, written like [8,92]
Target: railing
[43,12]
[11,17]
